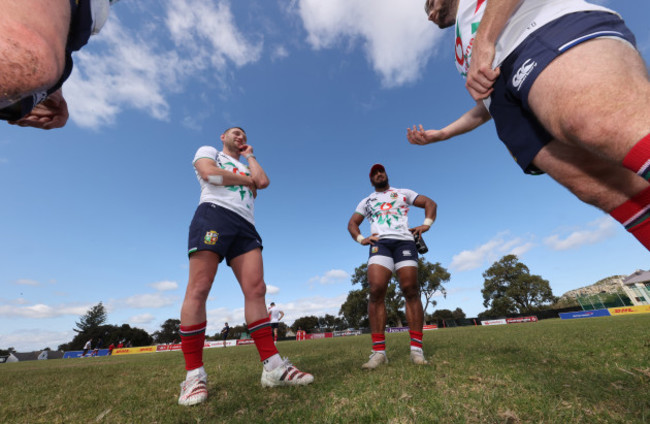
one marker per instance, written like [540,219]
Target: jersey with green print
[238,199]
[387,212]
[528,16]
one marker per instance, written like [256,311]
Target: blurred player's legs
[601,183]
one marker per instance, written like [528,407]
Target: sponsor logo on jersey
[522,73]
[211,238]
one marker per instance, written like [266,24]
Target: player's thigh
[594,180]
[33,36]
[378,277]
[203,268]
[408,279]
[596,94]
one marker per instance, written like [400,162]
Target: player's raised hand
[422,137]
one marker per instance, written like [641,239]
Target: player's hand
[419,230]
[481,76]
[421,137]
[246,149]
[370,240]
[49,114]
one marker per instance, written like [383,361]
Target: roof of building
[639,276]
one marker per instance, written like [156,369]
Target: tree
[169,331]
[509,288]
[458,314]
[308,323]
[109,334]
[95,317]
[431,278]
[355,308]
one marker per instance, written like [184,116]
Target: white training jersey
[238,199]
[528,16]
[387,212]
[274,313]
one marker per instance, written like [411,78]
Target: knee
[376,294]
[410,291]
[255,289]
[30,63]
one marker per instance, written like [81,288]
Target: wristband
[360,238]
[428,221]
[249,155]
[215,179]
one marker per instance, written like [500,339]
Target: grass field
[576,371]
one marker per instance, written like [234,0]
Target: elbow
[263,183]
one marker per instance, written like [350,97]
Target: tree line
[509,288]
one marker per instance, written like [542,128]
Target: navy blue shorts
[517,126]
[81,23]
[392,253]
[221,231]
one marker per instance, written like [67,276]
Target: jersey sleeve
[207,152]
[409,195]
[361,208]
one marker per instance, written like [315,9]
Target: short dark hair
[426,6]
[232,128]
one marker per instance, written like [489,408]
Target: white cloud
[164,285]
[272,289]
[331,277]
[141,301]
[142,319]
[317,306]
[127,68]
[395,35]
[28,340]
[279,52]
[27,282]
[596,231]
[490,252]
[40,310]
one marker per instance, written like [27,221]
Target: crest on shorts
[211,238]
[374,249]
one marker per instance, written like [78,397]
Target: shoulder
[206,152]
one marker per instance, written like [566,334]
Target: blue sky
[99,210]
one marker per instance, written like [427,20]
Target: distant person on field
[110,349]
[224,333]
[568,91]
[87,347]
[223,227]
[392,249]
[37,39]
[276,315]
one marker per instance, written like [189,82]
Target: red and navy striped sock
[638,158]
[192,340]
[635,216]
[378,342]
[416,339]
[263,337]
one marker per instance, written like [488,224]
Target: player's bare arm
[481,76]
[355,231]
[49,114]
[207,167]
[473,118]
[430,213]
[257,173]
